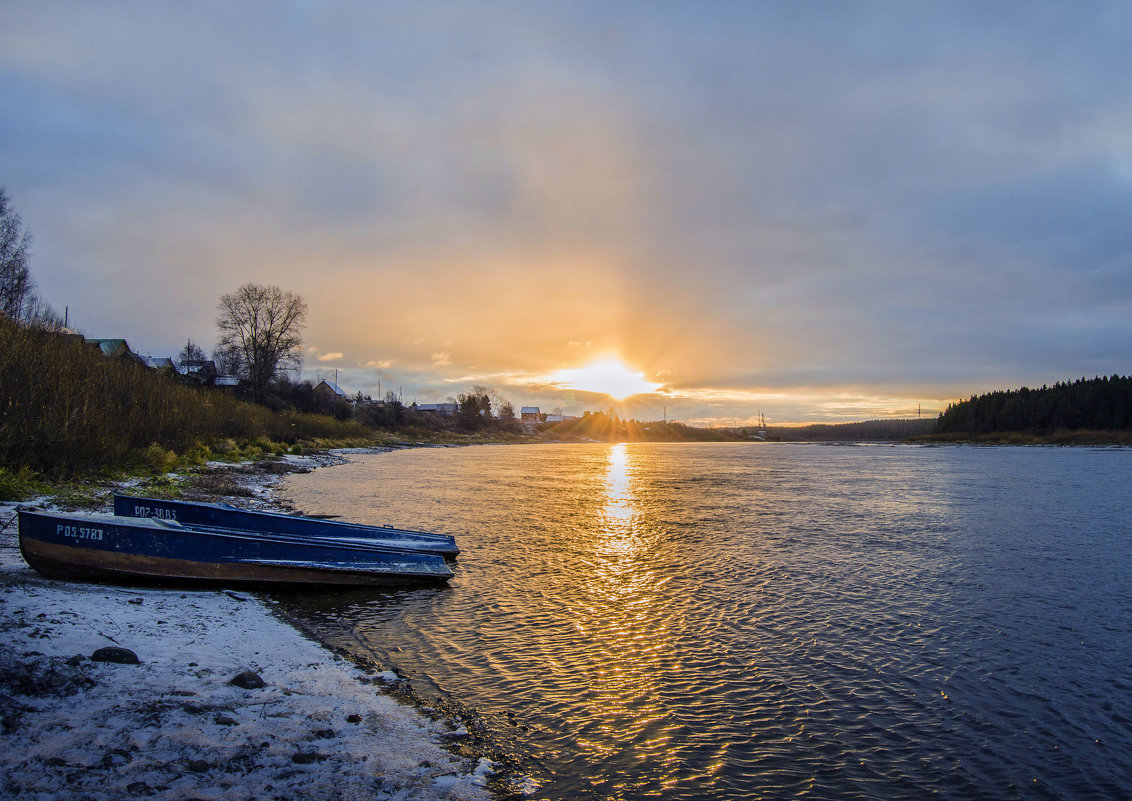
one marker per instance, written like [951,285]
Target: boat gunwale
[343,524]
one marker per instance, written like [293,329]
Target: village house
[442,409]
[203,371]
[328,389]
[530,417]
[116,349]
[160,363]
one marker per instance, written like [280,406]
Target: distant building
[160,363]
[442,409]
[116,349]
[530,417]
[202,371]
[331,389]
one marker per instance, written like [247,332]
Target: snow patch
[173,727]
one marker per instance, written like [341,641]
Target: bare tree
[191,353]
[229,360]
[265,324]
[39,315]
[15,244]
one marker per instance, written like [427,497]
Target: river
[775,621]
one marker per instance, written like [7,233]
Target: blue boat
[152,550]
[223,515]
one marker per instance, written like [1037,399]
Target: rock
[307,757]
[248,680]
[116,757]
[139,788]
[119,656]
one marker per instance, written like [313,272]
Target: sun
[608,377]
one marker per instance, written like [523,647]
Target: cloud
[871,202]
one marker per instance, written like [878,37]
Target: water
[766,621]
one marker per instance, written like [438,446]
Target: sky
[813,211]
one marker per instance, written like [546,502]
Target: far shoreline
[1089,438]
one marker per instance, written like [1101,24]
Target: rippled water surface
[766,621]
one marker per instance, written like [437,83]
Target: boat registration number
[79,532]
[161,514]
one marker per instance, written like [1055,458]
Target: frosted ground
[173,727]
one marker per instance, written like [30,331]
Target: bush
[18,485]
[155,459]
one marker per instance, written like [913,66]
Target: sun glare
[609,377]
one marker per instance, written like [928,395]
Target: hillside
[866,431]
[604,427]
[67,409]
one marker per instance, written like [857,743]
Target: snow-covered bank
[174,726]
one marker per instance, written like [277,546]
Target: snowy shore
[173,726]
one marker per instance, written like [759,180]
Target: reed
[65,409]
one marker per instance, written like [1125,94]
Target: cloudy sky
[819,211]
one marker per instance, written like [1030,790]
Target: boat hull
[229,517]
[91,547]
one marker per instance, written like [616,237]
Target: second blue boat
[222,515]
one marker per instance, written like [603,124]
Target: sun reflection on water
[625,714]
[618,512]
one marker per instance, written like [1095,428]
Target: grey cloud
[802,194]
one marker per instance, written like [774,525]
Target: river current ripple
[767,620]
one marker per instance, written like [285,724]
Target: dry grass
[66,410]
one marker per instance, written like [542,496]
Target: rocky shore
[111,692]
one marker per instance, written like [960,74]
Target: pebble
[248,680]
[307,757]
[120,656]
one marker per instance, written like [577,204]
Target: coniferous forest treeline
[1103,404]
